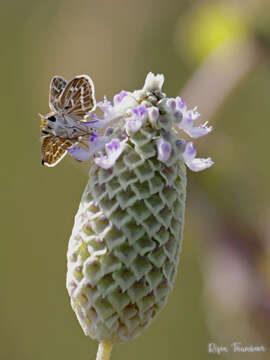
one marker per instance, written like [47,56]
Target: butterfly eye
[52,118]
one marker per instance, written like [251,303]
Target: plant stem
[104,350]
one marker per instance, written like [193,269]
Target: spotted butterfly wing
[53,149]
[78,97]
[56,88]
[69,102]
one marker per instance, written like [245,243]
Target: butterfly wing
[56,88]
[78,97]
[53,149]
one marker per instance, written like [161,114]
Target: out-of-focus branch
[220,74]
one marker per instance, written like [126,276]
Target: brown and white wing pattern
[78,97]
[56,88]
[53,149]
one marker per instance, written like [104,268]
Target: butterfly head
[47,123]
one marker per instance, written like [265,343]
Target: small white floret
[153,82]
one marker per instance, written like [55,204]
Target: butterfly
[62,128]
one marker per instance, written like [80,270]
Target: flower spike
[124,249]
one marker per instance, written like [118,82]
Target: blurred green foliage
[116,43]
[208,27]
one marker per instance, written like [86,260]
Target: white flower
[153,82]
[164,150]
[135,121]
[188,119]
[95,144]
[144,108]
[195,164]
[187,125]
[113,150]
[122,102]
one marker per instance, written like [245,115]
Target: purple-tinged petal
[79,153]
[190,152]
[181,104]
[96,123]
[200,164]
[103,161]
[105,105]
[171,103]
[93,116]
[193,114]
[164,150]
[127,102]
[135,121]
[95,143]
[153,114]
[193,163]
[119,97]
[121,104]
[133,124]
[107,108]
[140,111]
[198,131]
[93,137]
[113,150]
[187,125]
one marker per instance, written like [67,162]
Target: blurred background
[216,54]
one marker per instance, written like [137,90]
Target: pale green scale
[125,246]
